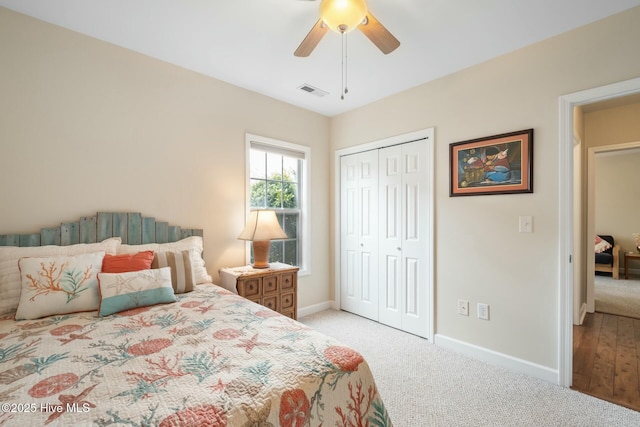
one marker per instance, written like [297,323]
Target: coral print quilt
[209,359]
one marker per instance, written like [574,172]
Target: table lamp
[262,227]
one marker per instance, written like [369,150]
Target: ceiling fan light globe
[343,15]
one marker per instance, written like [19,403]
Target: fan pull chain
[344,65]
[346,59]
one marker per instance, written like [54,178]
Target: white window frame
[304,229]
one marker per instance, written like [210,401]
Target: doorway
[622,219]
[607,340]
[566,213]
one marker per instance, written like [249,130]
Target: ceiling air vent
[313,90]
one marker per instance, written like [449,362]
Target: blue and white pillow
[124,291]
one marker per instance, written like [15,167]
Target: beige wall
[83,122]
[86,126]
[615,125]
[616,194]
[617,197]
[480,256]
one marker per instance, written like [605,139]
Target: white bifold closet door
[402,237]
[384,236]
[359,234]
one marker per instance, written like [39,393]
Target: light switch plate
[525,224]
[483,311]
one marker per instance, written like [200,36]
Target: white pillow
[10,273]
[192,244]
[59,285]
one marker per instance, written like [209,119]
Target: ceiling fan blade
[313,38]
[378,34]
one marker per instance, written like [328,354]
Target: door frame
[427,134]
[566,214]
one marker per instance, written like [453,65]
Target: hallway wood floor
[606,358]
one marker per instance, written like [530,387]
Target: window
[277,177]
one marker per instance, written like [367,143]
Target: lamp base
[261,253]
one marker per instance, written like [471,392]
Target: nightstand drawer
[288,282]
[270,284]
[287,301]
[291,314]
[271,302]
[250,287]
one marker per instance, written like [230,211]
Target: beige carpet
[426,385]
[621,297]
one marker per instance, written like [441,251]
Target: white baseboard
[583,312]
[498,359]
[316,308]
[480,353]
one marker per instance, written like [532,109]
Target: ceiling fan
[343,16]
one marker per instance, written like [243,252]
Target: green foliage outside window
[277,191]
[280,191]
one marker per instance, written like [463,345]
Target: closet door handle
[399,248]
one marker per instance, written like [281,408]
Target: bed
[197,355]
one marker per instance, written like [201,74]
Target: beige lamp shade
[262,227]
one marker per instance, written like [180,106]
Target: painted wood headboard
[132,227]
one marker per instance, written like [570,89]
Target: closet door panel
[390,236]
[412,211]
[412,286]
[392,283]
[351,274]
[368,234]
[359,234]
[349,244]
[415,237]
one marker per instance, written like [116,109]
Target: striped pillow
[182,274]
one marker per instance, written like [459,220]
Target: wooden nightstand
[275,287]
[628,256]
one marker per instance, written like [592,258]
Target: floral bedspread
[210,359]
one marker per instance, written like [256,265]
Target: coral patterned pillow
[601,245]
[10,281]
[124,263]
[59,285]
[124,291]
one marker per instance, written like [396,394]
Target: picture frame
[498,164]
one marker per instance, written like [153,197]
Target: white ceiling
[250,43]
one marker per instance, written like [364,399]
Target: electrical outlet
[483,311]
[463,307]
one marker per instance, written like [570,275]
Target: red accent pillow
[124,263]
